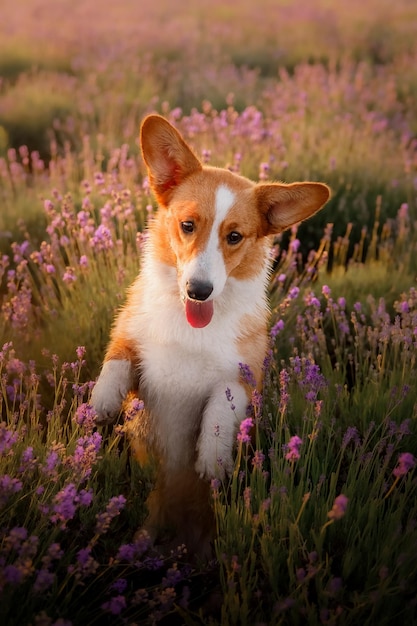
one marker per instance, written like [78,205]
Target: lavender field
[318,524]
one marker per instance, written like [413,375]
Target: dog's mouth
[199,313]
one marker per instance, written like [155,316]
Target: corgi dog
[196,312]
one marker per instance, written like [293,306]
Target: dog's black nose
[198,289]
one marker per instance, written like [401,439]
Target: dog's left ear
[282,205]
[168,158]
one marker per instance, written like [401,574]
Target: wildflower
[80,351]
[351,434]
[247,496]
[86,565]
[16,536]
[27,460]
[247,374]
[44,579]
[326,291]
[300,574]
[277,328]
[51,463]
[293,293]
[313,380]
[173,576]
[135,407]
[293,447]
[99,178]
[258,459]
[312,301]
[119,585]
[113,508]
[128,552]
[406,462]
[85,497]
[65,505]
[7,438]
[85,453]
[215,486]
[339,508]
[229,398]
[102,239]
[263,171]
[12,575]
[8,486]
[256,401]
[244,430]
[85,416]
[334,585]
[69,275]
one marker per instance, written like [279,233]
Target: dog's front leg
[118,376]
[224,411]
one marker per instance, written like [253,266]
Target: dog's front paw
[214,462]
[110,390]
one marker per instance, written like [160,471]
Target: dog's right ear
[168,159]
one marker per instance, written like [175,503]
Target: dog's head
[212,222]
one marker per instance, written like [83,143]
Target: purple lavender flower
[43,581]
[119,585]
[85,416]
[80,351]
[247,496]
[65,505]
[293,293]
[28,461]
[351,434]
[69,275]
[7,438]
[257,401]
[85,497]
[229,398]
[12,574]
[284,380]
[16,536]
[406,462]
[86,565]
[134,408]
[258,459]
[247,374]
[215,486]
[277,328]
[244,430]
[293,448]
[173,577]
[113,508]
[8,486]
[339,508]
[129,552]
[85,453]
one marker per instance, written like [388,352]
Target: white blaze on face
[209,266]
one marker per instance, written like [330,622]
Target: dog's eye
[187,227]
[233,238]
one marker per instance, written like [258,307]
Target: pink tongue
[199,314]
